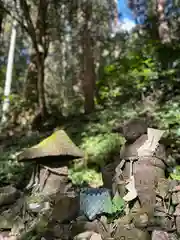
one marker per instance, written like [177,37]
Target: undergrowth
[95,137]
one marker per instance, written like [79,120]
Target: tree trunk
[9,71]
[88,83]
[164,32]
[1,16]
[40,85]
[88,72]
[30,86]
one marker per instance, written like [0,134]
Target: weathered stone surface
[10,217]
[163,235]
[7,236]
[38,207]
[172,185]
[6,223]
[108,174]
[140,220]
[138,215]
[162,188]
[52,157]
[148,166]
[131,233]
[95,236]
[8,195]
[175,198]
[58,144]
[65,208]
[177,218]
[130,151]
[132,129]
[145,184]
[14,224]
[18,226]
[119,186]
[88,236]
[173,236]
[162,222]
[58,231]
[82,225]
[51,182]
[99,226]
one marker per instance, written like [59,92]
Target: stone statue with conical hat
[51,158]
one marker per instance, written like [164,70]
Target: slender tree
[8,81]
[36,26]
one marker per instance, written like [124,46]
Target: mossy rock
[58,144]
[8,195]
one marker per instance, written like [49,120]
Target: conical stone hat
[58,144]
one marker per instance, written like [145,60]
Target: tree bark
[40,41]
[164,32]
[9,72]
[88,71]
[1,16]
[40,86]
[30,86]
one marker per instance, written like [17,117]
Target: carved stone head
[131,130]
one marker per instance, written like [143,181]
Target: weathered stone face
[132,130]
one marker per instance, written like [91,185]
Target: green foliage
[102,147]
[118,204]
[85,175]
[170,114]
[143,66]
[175,175]
[135,71]
[11,172]
[115,206]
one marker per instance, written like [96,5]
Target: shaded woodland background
[73,71]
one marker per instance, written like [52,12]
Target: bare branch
[31,30]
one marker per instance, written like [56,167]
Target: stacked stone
[164,194]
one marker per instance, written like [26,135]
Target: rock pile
[151,202]
[49,196]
